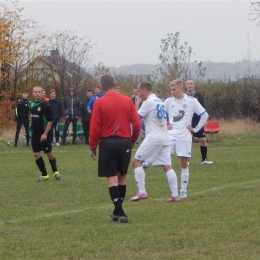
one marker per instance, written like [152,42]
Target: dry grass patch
[238,127]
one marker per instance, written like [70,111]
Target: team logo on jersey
[26,105]
[184,106]
[178,115]
[39,109]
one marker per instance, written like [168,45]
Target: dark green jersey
[41,114]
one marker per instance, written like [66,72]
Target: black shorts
[201,133]
[114,156]
[38,146]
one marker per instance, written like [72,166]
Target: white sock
[173,182]
[140,179]
[184,179]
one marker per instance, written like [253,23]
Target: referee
[110,126]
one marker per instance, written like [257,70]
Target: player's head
[176,88]
[107,82]
[190,86]
[145,90]
[37,93]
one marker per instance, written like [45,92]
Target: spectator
[98,94]
[71,112]
[85,116]
[22,117]
[56,110]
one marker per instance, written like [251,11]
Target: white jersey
[180,113]
[155,120]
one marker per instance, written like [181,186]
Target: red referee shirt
[113,115]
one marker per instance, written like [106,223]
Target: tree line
[24,45]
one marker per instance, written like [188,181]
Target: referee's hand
[93,153]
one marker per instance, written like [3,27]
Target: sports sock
[184,179]
[203,151]
[115,197]
[53,165]
[122,191]
[140,179]
[41,165]
[172,180]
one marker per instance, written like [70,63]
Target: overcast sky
[130,32]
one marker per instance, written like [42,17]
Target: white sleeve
[203,120]
[144,109]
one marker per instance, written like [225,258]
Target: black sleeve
[48,113]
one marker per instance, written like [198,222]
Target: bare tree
[70,58]
[175,61]
[254,14]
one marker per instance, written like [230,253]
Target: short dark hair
[146,85]
[90,90]
[107,81]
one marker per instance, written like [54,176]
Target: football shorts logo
[178,115]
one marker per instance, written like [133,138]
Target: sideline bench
[79,133]
[212,127]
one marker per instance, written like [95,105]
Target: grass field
[70,219]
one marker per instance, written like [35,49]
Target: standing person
[111,128]
[201,135]
[72,112]
[22,117]
[155,149]
[98,94]
[85,116]
[135,94]
[56,110]
[41,124]
[180,109]
[44,95]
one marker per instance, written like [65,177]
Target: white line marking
[51,215]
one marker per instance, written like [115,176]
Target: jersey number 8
[161,113]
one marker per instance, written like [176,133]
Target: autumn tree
[175,61]
[22,40]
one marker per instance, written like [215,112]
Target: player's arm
[46,131]
[203,120]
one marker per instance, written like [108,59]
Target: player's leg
[183,151]
[18,128]
[107,167]
[47,149]
[36,147]
[146,152]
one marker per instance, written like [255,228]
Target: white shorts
[155,154]
[181,148]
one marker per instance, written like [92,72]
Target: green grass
[70,219]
